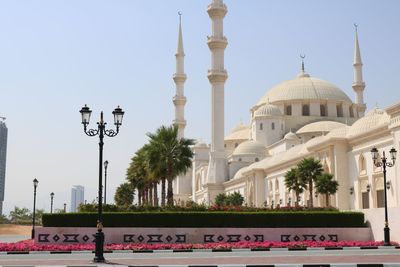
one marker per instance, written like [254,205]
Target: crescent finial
[180,16]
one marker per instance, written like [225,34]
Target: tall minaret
[358,83]
[179,78]
[217,75]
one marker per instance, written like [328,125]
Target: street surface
[239,258]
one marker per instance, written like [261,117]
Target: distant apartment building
[77,197]
[3,154]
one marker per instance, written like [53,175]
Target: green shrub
[208,219]
[220,199]
[234,199]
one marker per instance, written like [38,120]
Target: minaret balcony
[179,122]
[179,77]
[217,42]
[217,10]
[358,85]
[215,75]
[179,100]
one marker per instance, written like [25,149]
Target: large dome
[304,87]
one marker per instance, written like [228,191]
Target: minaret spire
[179,77]
[217,75]
[358,83]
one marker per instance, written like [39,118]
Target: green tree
[309,169]
[293,182]
[124,195]
[137,173]
[173,155]
[4,219]
[20,215]
[325,184]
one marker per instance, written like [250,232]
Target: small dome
[250,147]
[199,143]
[268,110]
[240,127]
[304,87]
[290,136]
[240,132]
[373,119]
[320,126]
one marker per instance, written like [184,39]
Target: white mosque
[298,118]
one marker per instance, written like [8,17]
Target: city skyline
[56,57]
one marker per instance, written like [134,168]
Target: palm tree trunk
[139,197]
[163,192]
[155,197]
[170,194]
[327,199]
[297,199]
[151,195]
[310,186]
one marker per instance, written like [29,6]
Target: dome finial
[355,26]
[180,17]
[302,61]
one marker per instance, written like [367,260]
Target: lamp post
[51,201]
[35,184]
[65,207]
[105,181]
[383,163]
[100,131]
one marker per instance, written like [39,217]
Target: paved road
[290,258]
[13,238]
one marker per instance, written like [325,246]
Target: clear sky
[56,56]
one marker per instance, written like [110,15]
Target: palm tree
[325,184]
[293,182]
[309,169]
[124,195]
[173,155]
[137,173]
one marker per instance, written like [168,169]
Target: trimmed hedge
[208,219]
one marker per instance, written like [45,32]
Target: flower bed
[29,245]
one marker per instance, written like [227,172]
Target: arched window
[339,110]
[351,112]
[261,126]
[288,110]
[240,159]
[236,145]
[256,160]
[361,165]
[322,110]
[282,127]
[306,110]
[273,126]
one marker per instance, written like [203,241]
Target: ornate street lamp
[35,184]
[383,163]
[65,207]
[51,201]
[105,181]
[100,131]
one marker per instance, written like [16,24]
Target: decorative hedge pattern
[208,219]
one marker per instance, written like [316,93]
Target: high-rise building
[3,155]
[77,197]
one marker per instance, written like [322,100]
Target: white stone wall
[71,235]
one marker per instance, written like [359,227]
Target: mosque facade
[298,118]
